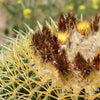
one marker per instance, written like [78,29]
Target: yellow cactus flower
[83,27]
[2,1]
[82,7]
[19,1]
[26,13]
[62,37]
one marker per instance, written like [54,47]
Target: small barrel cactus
[58,61]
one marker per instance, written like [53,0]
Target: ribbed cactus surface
[58,61]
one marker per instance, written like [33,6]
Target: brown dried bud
[95,23]
[82,65]
[70,20]
[96,62]
[62,23]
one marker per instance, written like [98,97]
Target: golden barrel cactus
[58,61]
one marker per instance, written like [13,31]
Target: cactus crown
[58,62]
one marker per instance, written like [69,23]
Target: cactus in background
[56,62]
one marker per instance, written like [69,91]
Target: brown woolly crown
[46,43]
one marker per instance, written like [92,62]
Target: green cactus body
[56,62]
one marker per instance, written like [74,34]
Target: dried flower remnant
[50,50]
[95,23]
[62,63]
[96,62]
[62,23]
[45,43]
[82,65]
[70,20]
